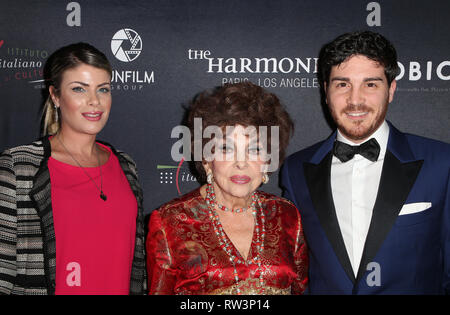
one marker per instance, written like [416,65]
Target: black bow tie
[345,152]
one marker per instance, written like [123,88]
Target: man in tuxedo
[374,202]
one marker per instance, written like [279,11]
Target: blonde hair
[50,118]
[65,58]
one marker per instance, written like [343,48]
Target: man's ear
[392,89]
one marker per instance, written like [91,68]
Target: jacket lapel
[138,281]
[398,176]
[317,175]
[41,196]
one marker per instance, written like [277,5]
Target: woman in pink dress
[71,212]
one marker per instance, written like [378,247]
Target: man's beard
[358,130]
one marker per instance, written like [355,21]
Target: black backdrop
[176,49]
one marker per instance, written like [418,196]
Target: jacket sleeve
[301,260]
[286,184]
[162,273]
[138,281]
[8,223]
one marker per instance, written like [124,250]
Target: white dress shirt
[354,185]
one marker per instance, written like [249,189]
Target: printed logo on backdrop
[126,46]
[296,72]
[177,176]
[22,64]
[268,72]
[417,76]
[424,76]
[26,64]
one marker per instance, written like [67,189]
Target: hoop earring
[209,178]
[265,178]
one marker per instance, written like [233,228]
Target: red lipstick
[240,179]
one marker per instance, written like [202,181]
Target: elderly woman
[226,237]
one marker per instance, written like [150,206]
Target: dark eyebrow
[79,82]
[340,79]
[373,79]
[85,84]
[365,80]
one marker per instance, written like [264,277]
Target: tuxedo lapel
[319,184]
[398,176]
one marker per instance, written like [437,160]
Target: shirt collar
[381,135]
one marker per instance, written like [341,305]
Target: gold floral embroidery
[186,257]
[250,287]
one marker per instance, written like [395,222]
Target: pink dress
[94,238]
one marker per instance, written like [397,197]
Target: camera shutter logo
[126,45]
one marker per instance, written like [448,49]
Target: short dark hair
[370,44]
[244,104]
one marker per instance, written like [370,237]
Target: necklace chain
[226,245]
[212,198]
[100,189]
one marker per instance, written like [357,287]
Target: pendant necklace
[100,189]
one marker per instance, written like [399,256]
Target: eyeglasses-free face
[358,95]
[84,99]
